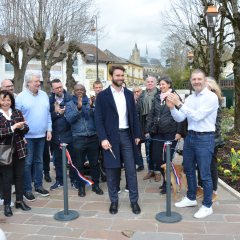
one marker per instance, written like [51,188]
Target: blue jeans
[199,149]
[34,159]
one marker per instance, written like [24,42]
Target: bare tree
[187,20]
[14,45]
[54,23]
[231,10]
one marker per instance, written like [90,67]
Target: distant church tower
[135,57]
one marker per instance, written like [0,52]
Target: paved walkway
[95,222]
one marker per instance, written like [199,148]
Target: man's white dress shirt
[121,105]
[200,110]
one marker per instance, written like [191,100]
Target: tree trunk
[69,72]
[18,78]
[46,79]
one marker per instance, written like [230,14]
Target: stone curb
[235,193]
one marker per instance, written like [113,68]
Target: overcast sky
[128,22]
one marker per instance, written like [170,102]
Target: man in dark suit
[118,130]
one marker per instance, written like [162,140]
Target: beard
[116,82]
[59,94]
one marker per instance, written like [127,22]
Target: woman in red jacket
[12,123]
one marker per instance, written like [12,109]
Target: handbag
[6,152]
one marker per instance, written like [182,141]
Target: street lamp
[190,61]
[211,17]
[96,29]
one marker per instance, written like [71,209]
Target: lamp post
[190,61]
[211,18]
[96,29]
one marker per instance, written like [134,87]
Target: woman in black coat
[12,124]
[161,125]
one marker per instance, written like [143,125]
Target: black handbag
[6,152]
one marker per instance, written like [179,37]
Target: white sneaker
[203,212]
[186,203]
[2,201]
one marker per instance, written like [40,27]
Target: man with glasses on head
[61,132]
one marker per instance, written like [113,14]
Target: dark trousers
[113,174]
[140,155]
[1,190]
[87,145]
[46,158]
[58,162]
[214,171]
[16,169]
[157,150]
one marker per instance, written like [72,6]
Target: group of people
[115,121]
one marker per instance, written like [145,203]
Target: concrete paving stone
[182,211]
[52,197]
[90,223]
[15,236]
[222,228]
[226,209]
[152,190]
[83,213]
[159,201]
[75,193]
[38,203]
[60,204]
[97,206]
[119,215]
[102,234]
[150,195]
[229,201]
[16,218]
[44,221]
[125,207]
[19,228]
[89,199]
[155,236]
[147,215]
[232,218]
[210,218]
[66,238]
[181,227]
[134,225]
[207,237]
[37,237]
[122,199]
[44,211]
[225,196]
[236,237]
[59,231]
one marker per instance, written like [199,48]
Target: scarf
[84,112]
[148,101]
[164,95]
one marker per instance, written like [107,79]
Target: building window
[75,67]
[8,66]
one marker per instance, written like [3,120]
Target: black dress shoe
[97,190]
[113,208]
[22,205]
[139,169]
[47,177]
[81,192]
[7,211]
[135,208]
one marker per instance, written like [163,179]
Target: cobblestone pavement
[95,222]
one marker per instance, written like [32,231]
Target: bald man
[8,85]
[80,114]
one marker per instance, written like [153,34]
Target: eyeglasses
[58,88]
[10,86]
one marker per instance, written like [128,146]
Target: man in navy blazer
[118,129]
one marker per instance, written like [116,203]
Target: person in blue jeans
[79,113]
[34,105]
[200,109]
[61,132]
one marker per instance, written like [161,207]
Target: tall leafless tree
[14,44]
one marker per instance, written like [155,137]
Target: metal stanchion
[168,216]
[65,215]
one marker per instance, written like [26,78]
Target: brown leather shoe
[199,193]
[157,177]
[147,176]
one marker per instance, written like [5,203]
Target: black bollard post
[66,215]
[168,216]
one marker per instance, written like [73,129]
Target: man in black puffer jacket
[61,132]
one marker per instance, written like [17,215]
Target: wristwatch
[180,105]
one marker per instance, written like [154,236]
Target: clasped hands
[172,100]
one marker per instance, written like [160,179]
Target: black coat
[61,128]
[142,118]
[161,114]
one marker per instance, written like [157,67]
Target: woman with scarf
[161,125]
